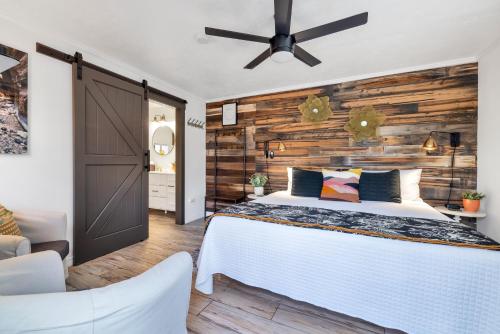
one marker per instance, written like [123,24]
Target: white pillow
[410,184]
[409,180]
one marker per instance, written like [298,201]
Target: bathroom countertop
[162,172]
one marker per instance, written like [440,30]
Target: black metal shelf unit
[215,197]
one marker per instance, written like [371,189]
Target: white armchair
[156,301]
[42,230]
[13,245]
[41,226]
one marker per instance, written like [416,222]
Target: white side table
[458,214]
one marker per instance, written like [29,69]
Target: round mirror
[163,140]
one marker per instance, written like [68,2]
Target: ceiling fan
[283,45]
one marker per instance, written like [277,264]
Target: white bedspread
[415,287]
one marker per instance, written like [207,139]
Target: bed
[412,286]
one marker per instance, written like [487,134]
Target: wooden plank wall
[414,104]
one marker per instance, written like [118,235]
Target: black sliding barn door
[111,182]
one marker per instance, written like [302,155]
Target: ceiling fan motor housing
[283,46]
[282,43]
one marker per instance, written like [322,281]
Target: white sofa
[42,230]
[156,301]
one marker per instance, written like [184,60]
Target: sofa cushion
[7,224]
[60,246]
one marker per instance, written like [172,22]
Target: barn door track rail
[78,59]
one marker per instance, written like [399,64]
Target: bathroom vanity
[162,191]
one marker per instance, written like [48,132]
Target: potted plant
[258,181]
[472,201]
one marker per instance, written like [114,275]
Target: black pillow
[382,187]
[306,183]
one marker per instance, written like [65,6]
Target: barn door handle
[147,158]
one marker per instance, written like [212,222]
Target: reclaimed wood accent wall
[414,104]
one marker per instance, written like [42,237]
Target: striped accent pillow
[7,224]
[341,185]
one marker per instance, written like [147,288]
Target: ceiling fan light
[282,57]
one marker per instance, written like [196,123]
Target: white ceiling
[160,37]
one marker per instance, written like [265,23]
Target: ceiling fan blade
[282,16]
[235,35]
[260,58]
[330,28]
[305,56]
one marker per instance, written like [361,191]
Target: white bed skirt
[414,287]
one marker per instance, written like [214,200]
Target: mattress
[415,287]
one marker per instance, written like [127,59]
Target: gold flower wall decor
[364,122]
[315,109]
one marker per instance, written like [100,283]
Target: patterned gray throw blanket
[370,224]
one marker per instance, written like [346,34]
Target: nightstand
[459,214]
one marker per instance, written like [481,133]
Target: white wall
[489,140]
[43,178]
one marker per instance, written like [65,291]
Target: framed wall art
[230,114]
[13,101]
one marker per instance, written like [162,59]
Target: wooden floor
[232,308]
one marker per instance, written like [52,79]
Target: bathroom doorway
[166,157]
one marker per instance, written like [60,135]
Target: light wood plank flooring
[233,307]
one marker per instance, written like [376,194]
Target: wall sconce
[159,118]
[431,144]
[270,153]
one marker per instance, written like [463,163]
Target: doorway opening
[162,168]
[166,146]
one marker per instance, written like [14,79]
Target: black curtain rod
[48,51]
